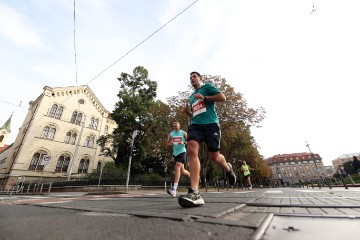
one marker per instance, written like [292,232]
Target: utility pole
[76,149]
[131,151]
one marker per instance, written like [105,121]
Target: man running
[246,169]
[177,139]
[204,127]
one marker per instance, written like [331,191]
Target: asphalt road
[280,213]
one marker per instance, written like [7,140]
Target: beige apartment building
[58,136]
[290,168]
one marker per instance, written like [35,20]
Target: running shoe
[191,199]
[172,192]
[231,176]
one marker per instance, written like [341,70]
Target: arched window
[91,124]
[56,111]
[73,117]
[70,137]
[1,138]
[98,167]
[89,141]
[36,161]
[62,163]
[67,137]
[84,165]
[73,138]
[78,119]
[59,112]
[48,132]
[52,132]
[53,110]
[96,123]
[45,132]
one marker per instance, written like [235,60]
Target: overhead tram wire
[76,75]
[14,104]
[142,42]
[83,87]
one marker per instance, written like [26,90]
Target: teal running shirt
[204,112]
[176,137]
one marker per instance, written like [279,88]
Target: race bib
[198,107]
[177,140]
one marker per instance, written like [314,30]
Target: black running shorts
[180,158]
[210,133]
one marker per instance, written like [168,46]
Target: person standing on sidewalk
[246,169]
[177,139]
[204,127]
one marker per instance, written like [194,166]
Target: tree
[136,96]
[356,164]
[348,167]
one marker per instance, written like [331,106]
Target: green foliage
[136,96]
[150,177]
[110,171]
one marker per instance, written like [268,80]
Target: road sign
[46,160]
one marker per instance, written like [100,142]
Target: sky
[299,59]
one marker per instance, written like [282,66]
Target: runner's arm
[186,110]
[185,136]
[169,141]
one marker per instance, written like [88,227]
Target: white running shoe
[172,192]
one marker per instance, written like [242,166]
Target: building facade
[61,127]
[290,168]
[343,159]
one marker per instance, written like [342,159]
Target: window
[62,163]
[106,130]
[96,123]
[76,118]
[36,161]
[84,165]
[89,141]
[93,123]
[56,111]
[70,137]
[73,117]
[48,132]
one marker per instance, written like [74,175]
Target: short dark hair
[199,75]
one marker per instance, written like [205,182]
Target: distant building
[343,159]
[330,171]
[290,168]
[63,125]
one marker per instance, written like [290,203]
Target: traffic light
[135,150]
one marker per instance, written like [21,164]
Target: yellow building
[58,136]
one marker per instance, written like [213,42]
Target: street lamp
[312,157]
